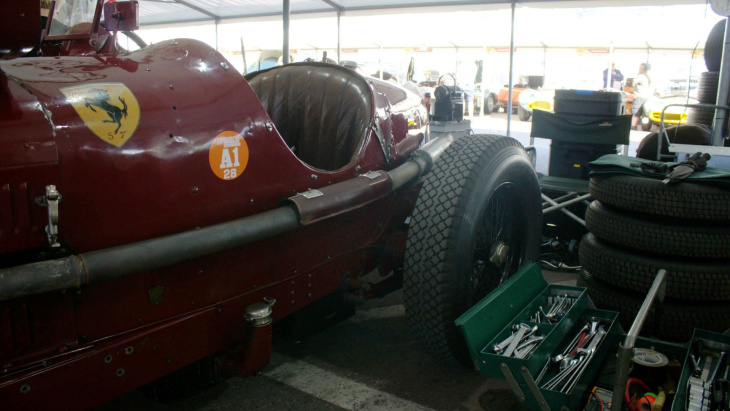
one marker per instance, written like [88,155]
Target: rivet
[154,294]
[129,350]
[108,359]
[224,65]
[195,190]
[313,176]
[171,87]
[24,388]
[120,372]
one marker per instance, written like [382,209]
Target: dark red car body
[155,177]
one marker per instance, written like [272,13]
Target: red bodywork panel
[146,168]
[503,95]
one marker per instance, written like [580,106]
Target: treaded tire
[650,196]
[523,114]
[696,115]
[695,281]
[707,87]
[658,238]
[479,183]
[714,45]
[490,105]
[676,322]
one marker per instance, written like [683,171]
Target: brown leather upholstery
[322,111]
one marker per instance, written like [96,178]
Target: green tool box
[704,344]
[703,360]
[516,301]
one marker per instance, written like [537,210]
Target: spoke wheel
[498,250]
[477,220]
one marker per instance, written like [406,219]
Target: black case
[570,160]
[588,104]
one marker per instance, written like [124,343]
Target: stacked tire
[708,83]
[638,225]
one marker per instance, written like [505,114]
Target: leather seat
[322,111]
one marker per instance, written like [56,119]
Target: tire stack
[639,225]
[708,83]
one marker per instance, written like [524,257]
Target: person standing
[616,78]
[642,91]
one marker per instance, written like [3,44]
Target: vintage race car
[674,115]
[535,100]
[159,210]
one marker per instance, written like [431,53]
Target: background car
[485,100]
[677,91]
[534,100]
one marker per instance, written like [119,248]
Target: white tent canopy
[441,24]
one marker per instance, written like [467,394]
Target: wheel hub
[498,253]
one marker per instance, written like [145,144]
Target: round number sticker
[228,155]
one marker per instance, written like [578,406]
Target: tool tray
[516,301]
[702,343]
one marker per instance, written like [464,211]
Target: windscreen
[71,13]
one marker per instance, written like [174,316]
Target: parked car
[526,83]
[676,92]
[674,115]
[160,212]
[485,99]
[531,100]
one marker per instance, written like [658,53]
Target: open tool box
[705,379]
[571,356]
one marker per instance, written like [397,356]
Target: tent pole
[339,44]
[285,48]
[511,62]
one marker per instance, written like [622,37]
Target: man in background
[616,78]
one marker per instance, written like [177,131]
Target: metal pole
[456,59]
[339,45]
[216,34]
[626,349]
[285,48]
[608,70]
[243,53]
[723,92]
[380,62]
[511,62]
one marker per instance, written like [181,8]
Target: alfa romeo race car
[160,210]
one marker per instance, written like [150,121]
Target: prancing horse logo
[101,99]
[109,110]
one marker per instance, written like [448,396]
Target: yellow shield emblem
[110,110]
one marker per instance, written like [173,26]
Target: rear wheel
[645,124]
[490,105]
[523,114]
[477,221]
